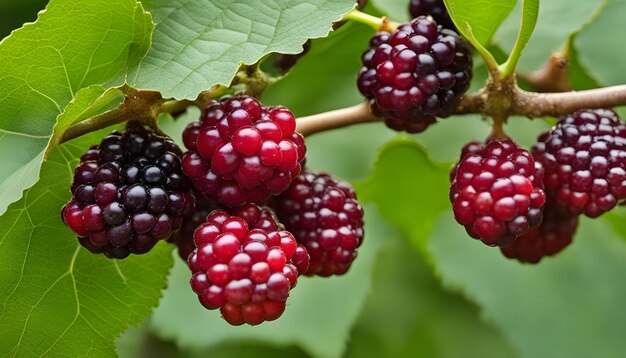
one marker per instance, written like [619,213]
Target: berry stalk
[377,23]
[335,119]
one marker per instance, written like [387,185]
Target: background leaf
[198,44]
[409,314]
[45,64]
[569,305]
[408,187]
[596,45]
[56,298]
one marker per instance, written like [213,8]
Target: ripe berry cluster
[415,74]
[326,217]
[135,188]
[497,192]
[128,193]
[497,188]
[244,265]
[241,151]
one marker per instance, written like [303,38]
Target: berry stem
[138,105]
[377,23]
[335,119]
[530,12]
[497,129]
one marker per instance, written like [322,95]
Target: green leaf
[530,11]
[56,298]
[198,43]
[579,77]
[597,48]
[409,314]
[320,311]
[566,306]
[409,189]
[479,19]
[44,65]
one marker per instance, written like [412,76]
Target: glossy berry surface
[128,193]
[183,238]
[497,192]
[415,74]
[246,272]
[324,215]
[434,8]
[241,151]
[553,235]
[584,157]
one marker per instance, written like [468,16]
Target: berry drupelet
[245,267]
[415,74]
[553,235]
[584,157]
[241,151]
[128,193]
[497,192]
[434,8]
[324,215]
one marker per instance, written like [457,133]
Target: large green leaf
[409,314]
[410,190]
[44,65]
[318,318]
[597,44]
[56,298]
[200,43]
[567,306]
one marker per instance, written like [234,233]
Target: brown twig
[335,119]
[534,105]
[552,77]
